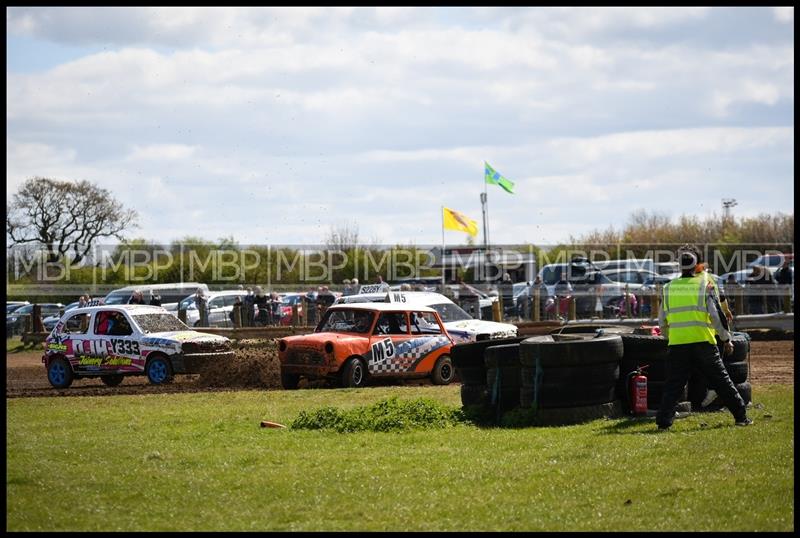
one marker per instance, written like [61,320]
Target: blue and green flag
[495,178]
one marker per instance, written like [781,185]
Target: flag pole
[442,213]
[484,205]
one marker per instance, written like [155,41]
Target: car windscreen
[117,298]
[346,321]
[160,322]
[550,275]
[450,312]
[24,309]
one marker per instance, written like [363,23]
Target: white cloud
[162,152]
[784,14]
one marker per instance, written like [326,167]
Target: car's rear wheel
[159,370]
[354,373]
[443,372]
[112,380]
[59,373]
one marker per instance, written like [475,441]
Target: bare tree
[343,236]
[65,216]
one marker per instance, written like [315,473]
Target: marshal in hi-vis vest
[685,308]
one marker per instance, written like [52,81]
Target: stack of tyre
[737,365]
[649,353]
[567,378]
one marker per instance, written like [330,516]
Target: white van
[460,325]
[170,293]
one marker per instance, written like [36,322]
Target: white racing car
[460,325]
[112,342]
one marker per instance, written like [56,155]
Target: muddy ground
[256,367]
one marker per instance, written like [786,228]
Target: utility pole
[727,204]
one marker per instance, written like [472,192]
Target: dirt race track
[256,366]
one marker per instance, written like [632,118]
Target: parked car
[288,300]
[112,342]
[460,325]
[50,321]
[220,305]
[630,263]
[668,268]
[170,293]
[634,278]
[356,342]
[13,305]
[16,319]
[772,260]
[586,281]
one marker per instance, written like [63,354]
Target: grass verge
[187,462]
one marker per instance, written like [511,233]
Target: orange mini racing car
[354,342]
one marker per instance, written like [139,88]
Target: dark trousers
[706,357]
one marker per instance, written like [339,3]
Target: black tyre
[159,370]
[570,350]
[503,384]
[737,371]
[112,380]
[472,376]
[468,359]
[290,381]
[59,373]
[474,395]
[644,346]
[354,374]
[502,356]
[443,371]
[565,395]
[741,348]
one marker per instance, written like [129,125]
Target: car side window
[77,324]
[424,323]
[391,323]
[216,302]
[112,323]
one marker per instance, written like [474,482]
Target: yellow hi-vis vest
[684,301]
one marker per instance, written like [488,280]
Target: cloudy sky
[273,125]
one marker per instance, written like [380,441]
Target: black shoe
[744,422]
[663,427]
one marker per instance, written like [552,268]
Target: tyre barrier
[563,378]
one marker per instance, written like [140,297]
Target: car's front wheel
[159,370]
[354,373]
[59,373]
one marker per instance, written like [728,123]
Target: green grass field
[201,461]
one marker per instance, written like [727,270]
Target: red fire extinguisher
[638,391]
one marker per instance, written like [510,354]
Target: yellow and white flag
[453,220]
